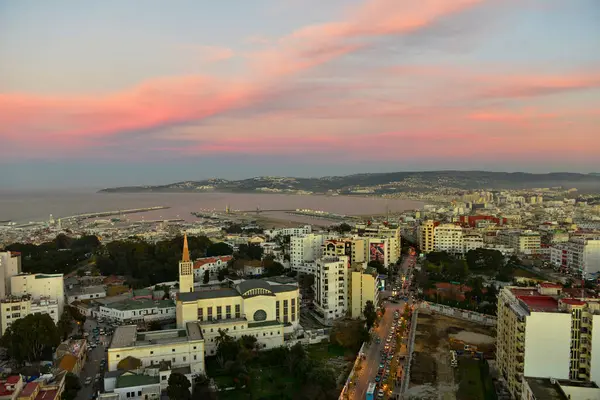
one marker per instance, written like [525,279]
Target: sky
[147,92]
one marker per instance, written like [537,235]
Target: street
[370,365]
[92,365]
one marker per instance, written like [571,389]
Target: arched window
[260,315]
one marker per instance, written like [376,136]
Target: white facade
[303,230]
[17,307]
[578,254]
[267,336]
[139,310]
[448,238]
[331,287]
[210,264]
[548,334]
[305,249]
[86,293]
[10,265]
[48,286]
[472,242]
[181,347]
[523,242]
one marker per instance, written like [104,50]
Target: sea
[23,206]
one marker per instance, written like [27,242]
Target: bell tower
[186,269]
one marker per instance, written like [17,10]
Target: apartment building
[298,231]
[13,308]
[425,236]
[524,242]
[85,293]
[331,287]
[448,238]
[558,389]
[579,255]
[472,241]
[380,234]
[181,347]
[10,265]
[40,286]
[363,287]
[353,248]
[304,250]
[544,332]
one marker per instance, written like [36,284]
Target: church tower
[186,269]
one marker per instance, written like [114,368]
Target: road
[92,365]
[370,364]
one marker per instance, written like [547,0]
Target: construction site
[450,359]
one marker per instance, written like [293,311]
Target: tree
[250,251]
[219,249]
[484,259]
[31,338]
[80,272]
[179,387]
[248,342]
[272,267]
[227,347]
[206,277]
[72,386]
[342,228]
[202,389]
[349,334]
[65,325]
[370,314]
[378,265]
[221,274]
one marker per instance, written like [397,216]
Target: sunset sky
[119,92]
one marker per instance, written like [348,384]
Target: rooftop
[539,303]
[87,290]
[241,287]
[140,304]
[47,394]
[127,336]
[132,380]
[573,302]
[550,389]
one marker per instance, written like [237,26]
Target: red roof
[551,285]
[540,303]
[8,387]
[13,379]
[47,395]
[573,302]
[209,260]
[29,389]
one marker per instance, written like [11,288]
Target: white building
[181,347]
[524,242]
[85,293]
[472,241]
[544,332]
[13,308]
[548,388]
[47,286]
[210,264]
[139,310]
[380,234]
[298,231]
[305,249]
[578,254]
[448,238]
[10,265]
[331,287]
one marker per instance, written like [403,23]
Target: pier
[117,212]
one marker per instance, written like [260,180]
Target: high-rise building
[363,287]
[10,265]
[331,287]
[580,255]
[305,249]
[425,236]
[186,269]
[523,242]
[353,248]
[378,234]
[448,238]
[544,332]
[13,308]
[39,287]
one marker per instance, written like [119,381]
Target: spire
[186,252]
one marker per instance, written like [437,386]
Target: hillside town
[490,294]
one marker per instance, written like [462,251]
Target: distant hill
[382,183]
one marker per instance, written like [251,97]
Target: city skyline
[139,93]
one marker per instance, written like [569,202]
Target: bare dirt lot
[432,376]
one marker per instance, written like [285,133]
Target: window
[128,395]
[151,352]
[163,378]
[173,359]
[173,350]
[293,310]
[260,315]
[277,309]
[228,312]
[184,358]
[237,311]
[139,392]
[209,313]
[195,357]
[200,314]
[219,309]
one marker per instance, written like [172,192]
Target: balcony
[521,327]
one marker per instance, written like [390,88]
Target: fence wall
[351,375]
[459,313]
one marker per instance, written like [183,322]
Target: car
[380,394]
[88,380]
[381,365]
[378,378]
